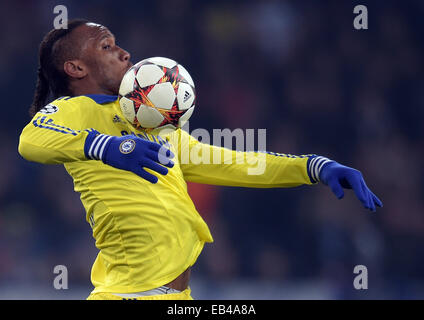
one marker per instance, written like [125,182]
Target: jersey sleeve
[208,164]
[56,134]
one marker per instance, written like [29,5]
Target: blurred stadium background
[298,69]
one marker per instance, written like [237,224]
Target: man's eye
[107,46]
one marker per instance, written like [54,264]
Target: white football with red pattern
[157,93]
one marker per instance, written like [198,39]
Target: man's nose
[124,55]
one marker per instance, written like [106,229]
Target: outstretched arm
[203,163]
[208,164]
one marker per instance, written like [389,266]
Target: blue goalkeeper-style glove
[337,177]
[129,153]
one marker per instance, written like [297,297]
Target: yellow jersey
[147,234]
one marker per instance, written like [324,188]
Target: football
[157,93]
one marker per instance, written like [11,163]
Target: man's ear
[75,69]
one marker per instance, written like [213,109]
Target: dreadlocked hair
[52,81]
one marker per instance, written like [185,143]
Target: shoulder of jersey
[84,101]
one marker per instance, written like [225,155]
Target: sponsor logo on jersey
[49,109]
[116,119]
[127,146]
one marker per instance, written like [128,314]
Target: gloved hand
[337,177]
[129,153]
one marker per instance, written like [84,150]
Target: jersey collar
[101,98]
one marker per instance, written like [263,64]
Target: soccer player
[145,225]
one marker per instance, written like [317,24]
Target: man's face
[106,62]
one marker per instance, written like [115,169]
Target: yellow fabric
[184,295]
[147,234]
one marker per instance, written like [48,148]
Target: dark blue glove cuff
[95,145]
[314,167]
